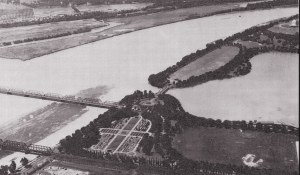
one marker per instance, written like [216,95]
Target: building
[294,23]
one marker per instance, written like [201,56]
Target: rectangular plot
[116,142]
[131,123]
[104,140]
[129,144]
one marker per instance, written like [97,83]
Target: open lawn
[206,63]
[285,28]
[165,17]
[48,29]
[248,44]
[278,151]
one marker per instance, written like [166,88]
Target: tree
[4,170]
[24,161]
[12,167]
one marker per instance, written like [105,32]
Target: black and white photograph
[149,87]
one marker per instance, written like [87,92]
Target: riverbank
[132,50]
[252,41]
[45,121]
[32,50]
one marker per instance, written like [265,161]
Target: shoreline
[101,35]
[50,119]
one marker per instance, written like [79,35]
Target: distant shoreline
[127,25]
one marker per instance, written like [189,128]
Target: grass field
[249,44]
[278,151]
[43,30]
[160,18]
[284,28]
[44,11]
[206,63]
[36,49]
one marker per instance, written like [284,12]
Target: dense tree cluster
[175,119]
[89,135]
[168,118]
[240,65]
[5,170]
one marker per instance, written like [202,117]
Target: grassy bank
[31,50]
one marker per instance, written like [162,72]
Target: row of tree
[162,78]
[89,135]
[163,130]
[186,120]
[5,170]
[163,133]
[67,17]
[58,35]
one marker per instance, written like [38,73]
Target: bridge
[59,98]
[164,89]
[25,148]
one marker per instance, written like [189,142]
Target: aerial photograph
[149,87]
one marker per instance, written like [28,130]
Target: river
[121,63]
[267,93]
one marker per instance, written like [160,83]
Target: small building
[294,23]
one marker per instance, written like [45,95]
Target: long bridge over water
[60,98]
[25,148]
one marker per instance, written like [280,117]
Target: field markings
[116,136]
[132,133]
[129,134]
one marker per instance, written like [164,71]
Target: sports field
[206,63]
[229,146]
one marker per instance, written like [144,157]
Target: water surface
[268,93]
[121,63]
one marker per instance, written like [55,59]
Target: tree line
[12,168]
[239,65]
[66,17]
[58,35]
[164,131]
[160,141]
